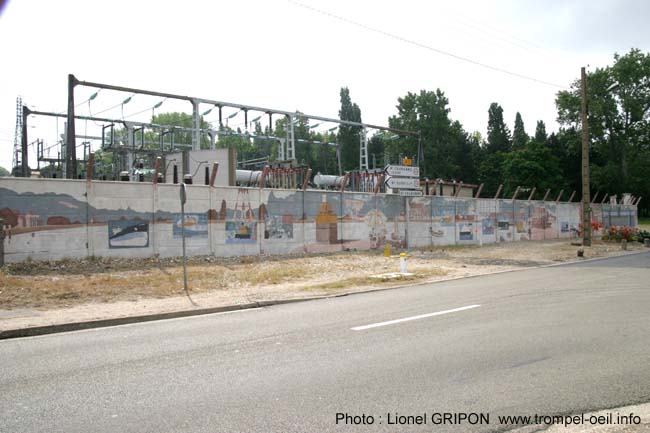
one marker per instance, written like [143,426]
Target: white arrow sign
[403,170]
[403,182]
[410,193]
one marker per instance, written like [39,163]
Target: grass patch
[441,248]
[272,275]
[369,280]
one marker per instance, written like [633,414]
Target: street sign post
[402,170]
[183,201]
[403,182]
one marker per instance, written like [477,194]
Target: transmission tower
[18,136]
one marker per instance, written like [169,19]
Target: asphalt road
[556,340]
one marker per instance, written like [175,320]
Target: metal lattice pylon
[18,136]
[363,150]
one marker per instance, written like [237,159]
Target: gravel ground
[38,293]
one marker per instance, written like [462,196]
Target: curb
[104,323]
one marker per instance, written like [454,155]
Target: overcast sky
[277,54]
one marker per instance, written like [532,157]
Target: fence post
[2,242]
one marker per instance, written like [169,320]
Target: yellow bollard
[387,251]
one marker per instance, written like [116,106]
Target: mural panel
[466,221]
[505,221]
[128,234]
[486,214]
[419,229]
[443,220]
[552,229]
[522,229]
[393,230]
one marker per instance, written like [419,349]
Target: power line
[427,47]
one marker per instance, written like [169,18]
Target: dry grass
[69,283]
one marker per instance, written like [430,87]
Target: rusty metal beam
[90,167]
[573,194]
[458,187]
[379,183]
[479,191]
[496,196]
[344,184]
[213,175]
[156,170]
[307,177]
[265,174]
[532,194]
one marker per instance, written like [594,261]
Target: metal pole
[183,236]
[196,133]
[23,146]
[239,106]
[70,154]
[586,208]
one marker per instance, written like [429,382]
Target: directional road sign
[410,193]
[402,170]
[403,182]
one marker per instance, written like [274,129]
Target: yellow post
[387,251]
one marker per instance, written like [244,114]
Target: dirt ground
[69,283]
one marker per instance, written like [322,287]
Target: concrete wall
[50,219]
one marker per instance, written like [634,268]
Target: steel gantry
[287,149]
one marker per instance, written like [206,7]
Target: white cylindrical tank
[326,180]
[249,177]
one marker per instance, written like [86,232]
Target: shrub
[617,234]
[642,235]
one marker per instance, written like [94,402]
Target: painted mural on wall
[128,234]
[241,222]
[378,234]
[29,212]
[195,225]
[321,221]
[487,220]
[241,232]
[522,230]
[443,220]
[279,214]
[392,208]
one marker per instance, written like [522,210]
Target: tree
[183,120]
[490,171]
[498,139]
[619,123]
[4,172]
[540,132]
[519,136]
[468,155]
[428,114]
[348,136]
[532,166]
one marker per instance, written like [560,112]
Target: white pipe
[326,180]
[249,177]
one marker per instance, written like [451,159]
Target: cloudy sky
[279,54]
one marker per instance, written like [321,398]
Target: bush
[617,234]
[642,235]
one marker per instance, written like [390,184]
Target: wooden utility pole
[586,202]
